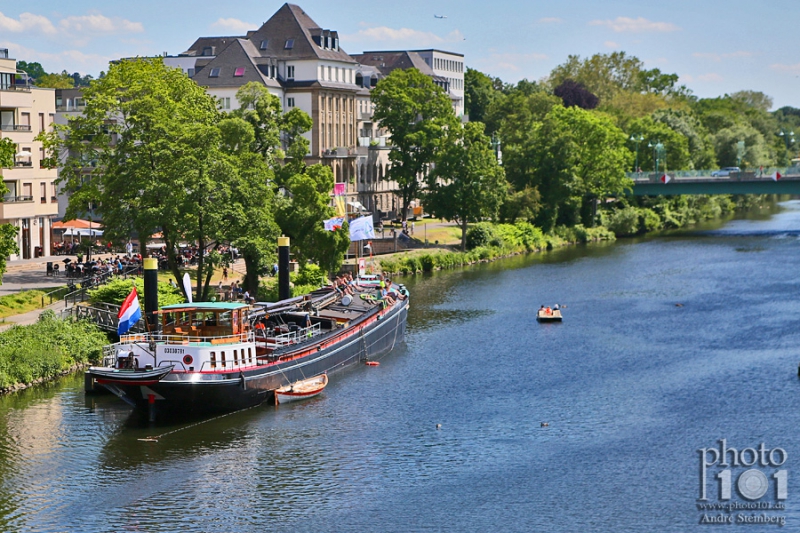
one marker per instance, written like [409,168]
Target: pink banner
[338,189]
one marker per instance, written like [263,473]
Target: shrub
[47,348]
[649,220]
[624,221]
[117,290]
[480,234]
[310,274]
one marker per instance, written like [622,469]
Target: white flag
[187,286]
[362,229]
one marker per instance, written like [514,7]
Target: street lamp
[739,154]
[659,152]
[788,137]
[497,151]
[637,139]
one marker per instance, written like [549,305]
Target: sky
[715,47]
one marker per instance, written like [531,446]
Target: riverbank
[490,242]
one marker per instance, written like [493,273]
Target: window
[222,359]
[290,102]
[208,51]
[190,72]
[264,44]
[290,72]
[225,103]
[213,359]
[289,44]
[239,72]
[43,195]
[214,73]
[53,194]
[41,122]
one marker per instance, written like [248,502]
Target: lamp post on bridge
[636,140]
[740,148]
[659,152]
[788,138]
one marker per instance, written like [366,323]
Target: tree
[701,147]
[573,157]
[573,93]
[303,199]
[8,232]
[479,93]
[675,145]
[466,183]
[56,81]
[417,113]
[33,69]
[757,151]
[153,133]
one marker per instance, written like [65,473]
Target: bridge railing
[765,173]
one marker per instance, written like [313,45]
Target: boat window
[211,319]
[213,359]
[222,358]
[225,318]
[250,355]
[235,357]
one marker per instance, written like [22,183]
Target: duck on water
[216,357]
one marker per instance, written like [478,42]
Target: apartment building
[31,202]
[304,65]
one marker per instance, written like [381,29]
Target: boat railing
[299,335]
[179,338]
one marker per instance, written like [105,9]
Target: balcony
[16,96]
[23,164]
[365,116]
[17,207]
[14,127]
[338,153]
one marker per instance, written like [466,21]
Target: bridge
[702,182]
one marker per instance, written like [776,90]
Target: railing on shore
[103,315]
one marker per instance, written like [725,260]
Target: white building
[31,202]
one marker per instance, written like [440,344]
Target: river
[668,346]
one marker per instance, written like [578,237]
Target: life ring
[188,359]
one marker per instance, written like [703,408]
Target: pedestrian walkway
[31,317]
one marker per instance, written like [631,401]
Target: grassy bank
[488,242]
[46,349]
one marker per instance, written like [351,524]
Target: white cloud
[69,60]
[27,22]
[97,23]
[638,25]
[711,76]
[720,57]
[550,20]
[611,44]
[398,35]
[232,24]
[509,61]
[792,69]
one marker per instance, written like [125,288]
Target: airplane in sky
[440,16]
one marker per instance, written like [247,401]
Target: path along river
[631,385]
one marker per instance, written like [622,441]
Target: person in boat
[555,307]
[548,311]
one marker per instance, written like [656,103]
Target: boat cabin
[210,321]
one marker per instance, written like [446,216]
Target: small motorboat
[548,315]
[300,390]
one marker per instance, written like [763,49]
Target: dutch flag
[129,313]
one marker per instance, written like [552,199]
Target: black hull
[177,396]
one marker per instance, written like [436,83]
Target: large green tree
[572,158]
[418,114]
[466,184]
[300,194]
[675,145]
[159,166]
